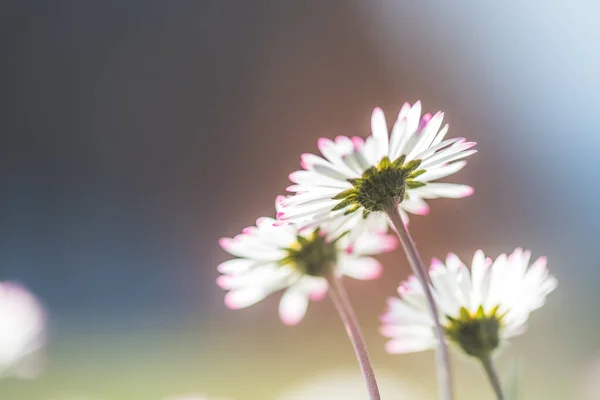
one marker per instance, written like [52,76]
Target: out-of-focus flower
[273,257]
[356,179]
[22,331]
[346,385]
[480,308]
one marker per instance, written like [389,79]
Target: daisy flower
[271,257]
[22,331]
[480,308]
[355,179]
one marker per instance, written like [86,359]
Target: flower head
[478,308]
[273,257]
[356,179]
[22,330]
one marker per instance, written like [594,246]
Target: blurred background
[135,134]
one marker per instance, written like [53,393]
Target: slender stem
[488,365]
[443,361]
[342,304]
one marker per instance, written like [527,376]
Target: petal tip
[225,243]
[304,163]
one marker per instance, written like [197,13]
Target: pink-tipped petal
[319,293]
[424,121]
[488,262]
[237,299]
[249,230]
[373,272]
[280,215]
[292,307]
[542,260]
[436,264]
[231,302]
[469,191]
[225,243]
[387,330]
[292,177]
[358,142]
[403,289]
[224,282]
[403,113]
[322,143]
[304,160]
[389,243]
[279,200]
[407,346]
[423,210]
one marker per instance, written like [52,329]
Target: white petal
[440,136]
[413,118]
[236,265]
[479,279]
[438,148]
[306,198]
[399,136]
[447,156]
[312,178]
[436,190]
[364,268]
[380,132]
[415,205]
[240,249]
[237,299]
[406,331]
[399,312]
[268,275]
[293,306]
[441,172]
[409,345]
[337,171]
[373,243]
[427,135]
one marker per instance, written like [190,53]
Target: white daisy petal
[427,135]
[380,132]
[447,156]
[413,118]
[441,135]
[317,179]
[364,268]
[397,346]
[293,306]
[415,205]
[237,265]
[437,190]
[442,172]
[369,244]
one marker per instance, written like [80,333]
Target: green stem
[342,304]
[444,376]
[488,365]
